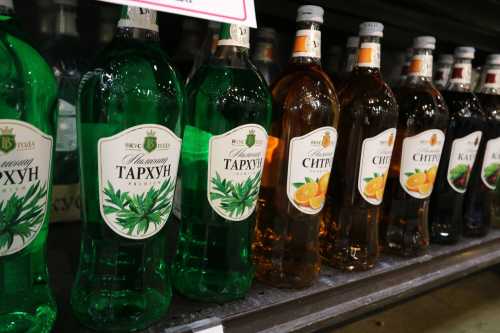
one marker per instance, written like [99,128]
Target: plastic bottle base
[23,322]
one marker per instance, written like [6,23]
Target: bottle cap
[352,42]
[446,59]
[7,3]
[465,52]
[375,29]
[493,59]
[266,33]
[424,42]
[71,3]
[310,13]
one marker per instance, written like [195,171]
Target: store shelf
[334,299]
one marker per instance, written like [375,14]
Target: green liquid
[27,93]
[213,261]
[122,284]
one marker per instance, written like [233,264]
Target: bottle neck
[137,23]
[350,59]
[233,45]
[490,83]
[420,67]
[369,54]
[460,79]
[264,51]
[65,21]
[6,10]
[307,45]
[442,75]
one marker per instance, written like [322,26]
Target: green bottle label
[235,161]
[25,164]
[137,174]
[140,18]
[234,35]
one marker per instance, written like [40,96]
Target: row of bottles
[267,182]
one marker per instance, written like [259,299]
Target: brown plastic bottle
[423,118]
[479,212]
[297,169]
[367,129]
[463,138]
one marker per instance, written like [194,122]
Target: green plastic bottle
[28,103]
[128,112]
[223,151]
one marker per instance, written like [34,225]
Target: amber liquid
[286,246]
[404,229]
[349,231]
[446,206]
[480,201]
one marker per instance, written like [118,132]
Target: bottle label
[462,157]
[490,170]
[421,65]
[140,18]
[237,35]
[351,62]
[442,76]
[310,161]
[369,55]
[307,44]
[374,164]
[25,164]
[264,52]
[235,161]
[137,173]
[420,156]
[66,127]
[492,79]
[461,73]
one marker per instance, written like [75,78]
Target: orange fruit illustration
[373,186]
[317,201]
[433,140]
[424,188]
[305,192]
[323,183]
[415,180]
[431,175]
[379,194]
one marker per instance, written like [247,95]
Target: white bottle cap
[266,33]
[465,52]
[493,59]
[71,3]
[310,13]
[7,3]
[352,42]
[424,42]
[446,59]
[375,29]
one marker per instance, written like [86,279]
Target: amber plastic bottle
[423,118]
[298,163]
[480,197]
[367,129]
[463,137]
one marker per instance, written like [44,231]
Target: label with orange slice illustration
[490,169]
[309,165]
[374,163]
[307,43]
[462,157]
[420,157]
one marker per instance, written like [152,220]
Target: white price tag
[216,329]
[229,11]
